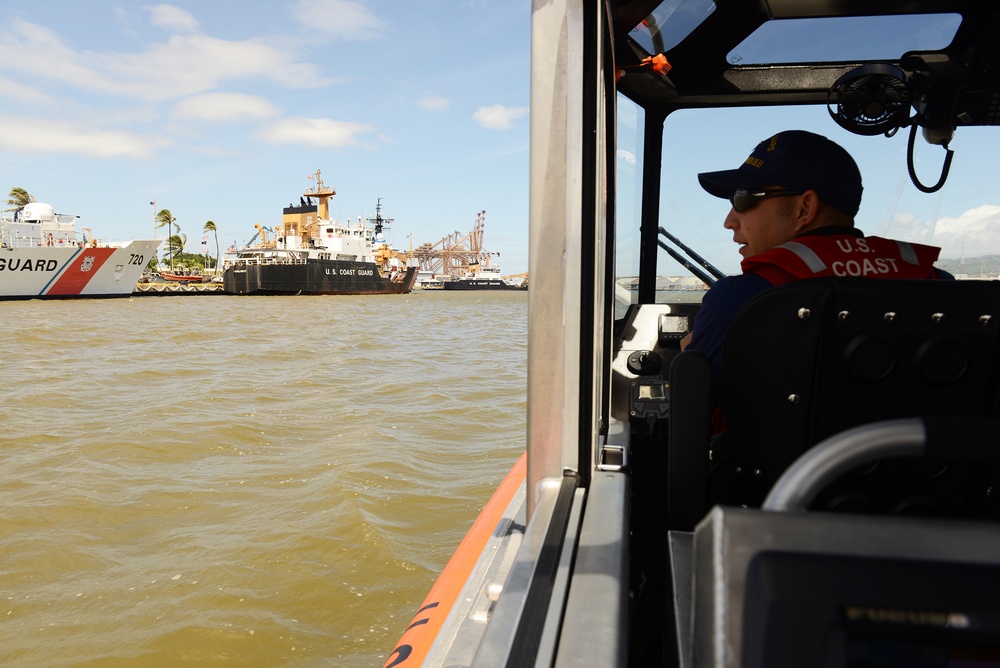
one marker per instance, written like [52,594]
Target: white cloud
[315,132]
[976,232]
[184,65]
[13,91]
[626,156]
[30,135]
[124,20]
[433,102]
[217,151]
[346,19]
[196,63]
[498,117]
[223,107]
[171,17]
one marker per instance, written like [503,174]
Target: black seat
[812,358]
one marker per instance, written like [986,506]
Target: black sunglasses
[745,198]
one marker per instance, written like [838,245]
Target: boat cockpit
[847,515]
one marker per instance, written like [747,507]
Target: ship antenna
[378,220]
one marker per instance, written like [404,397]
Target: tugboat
[42,256]
[311,254]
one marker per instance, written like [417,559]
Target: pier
[171,289]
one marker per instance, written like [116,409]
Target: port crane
[456,253]
[262,231]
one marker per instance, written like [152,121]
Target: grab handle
[958,438]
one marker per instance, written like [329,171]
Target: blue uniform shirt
[718,310]
[726,298]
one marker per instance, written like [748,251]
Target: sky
[220,109]
[962,218]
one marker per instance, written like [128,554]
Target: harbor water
[253,481]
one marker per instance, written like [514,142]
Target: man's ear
[807,207]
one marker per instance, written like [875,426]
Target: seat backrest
[812,358]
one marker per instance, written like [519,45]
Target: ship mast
[321,193]
[378,221]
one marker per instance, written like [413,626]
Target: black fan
[871,100]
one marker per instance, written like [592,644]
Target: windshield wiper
[686,263]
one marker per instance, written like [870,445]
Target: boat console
[847,515]
[761,589]
[782,586]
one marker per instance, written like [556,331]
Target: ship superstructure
[310,253]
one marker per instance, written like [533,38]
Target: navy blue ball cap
[796,160]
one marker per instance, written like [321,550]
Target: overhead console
[951,92]
[943,91]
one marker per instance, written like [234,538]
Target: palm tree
[210,227]
[19,198]
[163,217]
[175,246]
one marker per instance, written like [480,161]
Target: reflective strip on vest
[907,252]
[808,255]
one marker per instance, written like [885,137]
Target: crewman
[793,205]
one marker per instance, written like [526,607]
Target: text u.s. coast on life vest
[864,266]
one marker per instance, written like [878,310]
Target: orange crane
[456,253]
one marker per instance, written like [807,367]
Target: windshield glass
[670,23]
[628,205]
[803,40]
[844,39]
[963,218]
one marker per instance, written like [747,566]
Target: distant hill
[984,266]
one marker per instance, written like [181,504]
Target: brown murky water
[244,480]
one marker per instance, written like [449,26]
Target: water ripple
[260,481]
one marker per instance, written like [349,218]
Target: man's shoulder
[731,292]
[739,286]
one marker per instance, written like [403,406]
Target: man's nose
[732,221]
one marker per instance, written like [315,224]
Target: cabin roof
[754,52]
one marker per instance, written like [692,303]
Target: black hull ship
[480,284]
[314,277]
[482,277]
[475,284]
[310,254]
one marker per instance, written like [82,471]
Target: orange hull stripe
[412,648]
[75,278]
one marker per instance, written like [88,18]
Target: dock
[172,289]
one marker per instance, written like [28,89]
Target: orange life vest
[814,256]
